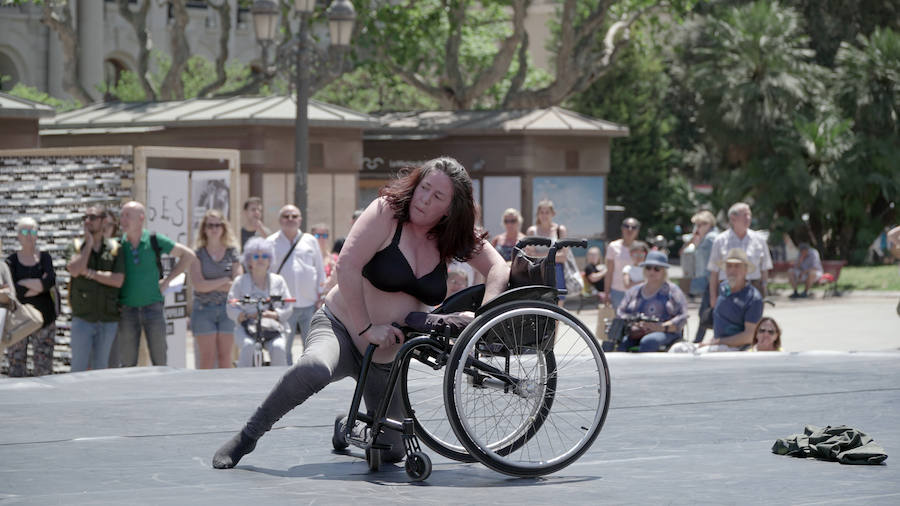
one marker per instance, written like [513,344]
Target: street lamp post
[341,16]
[265,24]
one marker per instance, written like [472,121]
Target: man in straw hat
[739,306]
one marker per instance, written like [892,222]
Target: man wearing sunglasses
[298,260]
[98,271]
[142,292]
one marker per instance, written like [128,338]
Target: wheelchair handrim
[602,386]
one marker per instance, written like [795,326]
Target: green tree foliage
[35,95]
[643,175]
[198,73]
[814,149]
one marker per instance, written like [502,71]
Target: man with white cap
[739,306]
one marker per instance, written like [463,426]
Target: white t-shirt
[636,273]
[304,272]
[621,257]
[753,245]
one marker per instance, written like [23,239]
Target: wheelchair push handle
[546,241]
[533,241]
[571,243]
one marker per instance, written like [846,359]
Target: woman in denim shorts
[217,265]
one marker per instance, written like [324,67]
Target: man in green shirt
[142,292]
[97,270]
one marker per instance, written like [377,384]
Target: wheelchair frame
[540,273]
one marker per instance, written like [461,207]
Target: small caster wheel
[373,458]
[418,466]
[339,439]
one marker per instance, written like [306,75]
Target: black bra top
[389,271]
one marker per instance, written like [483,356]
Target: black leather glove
[451,324]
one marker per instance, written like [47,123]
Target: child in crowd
[456,281]
[633,274]
[594,269]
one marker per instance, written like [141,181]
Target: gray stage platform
[681,429]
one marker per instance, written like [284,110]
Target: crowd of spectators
[118,284]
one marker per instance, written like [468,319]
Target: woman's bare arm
[494,269]
[374,226]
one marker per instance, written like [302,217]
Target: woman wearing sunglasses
[512,232]
[767,336]
[658,298]
[211,275]
[259,282]
[34,278]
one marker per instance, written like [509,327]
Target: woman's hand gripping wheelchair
[525,385]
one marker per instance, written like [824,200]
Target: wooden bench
[832,273]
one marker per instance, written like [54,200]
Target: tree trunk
[579,63]
[172,86]
[452,91]
[138,22]
[64,27]
[224,11]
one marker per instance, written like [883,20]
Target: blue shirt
[668,303]
[733,309]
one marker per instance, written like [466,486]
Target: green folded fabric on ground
[842,443]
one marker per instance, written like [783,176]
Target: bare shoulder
[374,227]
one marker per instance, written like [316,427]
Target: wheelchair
[524,388]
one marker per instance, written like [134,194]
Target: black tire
[508,369]
[338,438]
[373,458]
[418,466]
[423,400]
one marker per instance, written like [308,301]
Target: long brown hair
[777,343]
[227,236]
[455,233]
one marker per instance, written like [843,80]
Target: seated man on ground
[738,308]
[807,270]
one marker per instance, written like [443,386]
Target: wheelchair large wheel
[527,388]
[421,387]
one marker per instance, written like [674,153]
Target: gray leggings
[329,355]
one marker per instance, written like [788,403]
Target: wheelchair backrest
[529,271]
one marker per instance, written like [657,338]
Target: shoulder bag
[574,283]
[22,320]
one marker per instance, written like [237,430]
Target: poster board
[173,192]
[167,214]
